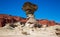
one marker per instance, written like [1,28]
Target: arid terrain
[12,26]
[29,32]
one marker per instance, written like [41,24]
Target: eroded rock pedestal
[28,30]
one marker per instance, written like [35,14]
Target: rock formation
[14,25]
[10,19]
[29,8]
[6,19]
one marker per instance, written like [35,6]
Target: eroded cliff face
[11,19]
[47,22]
[17,28]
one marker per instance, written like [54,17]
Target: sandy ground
[17,32]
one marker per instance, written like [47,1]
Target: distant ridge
[4,18]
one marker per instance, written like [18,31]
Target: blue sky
[47,9]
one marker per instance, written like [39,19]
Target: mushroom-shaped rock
[29,8]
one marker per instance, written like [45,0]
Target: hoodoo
[30,9]
[18,26]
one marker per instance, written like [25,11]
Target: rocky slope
[10,19]
[6,20]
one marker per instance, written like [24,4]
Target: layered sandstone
[10,19]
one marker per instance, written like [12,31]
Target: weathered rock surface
[10,19]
